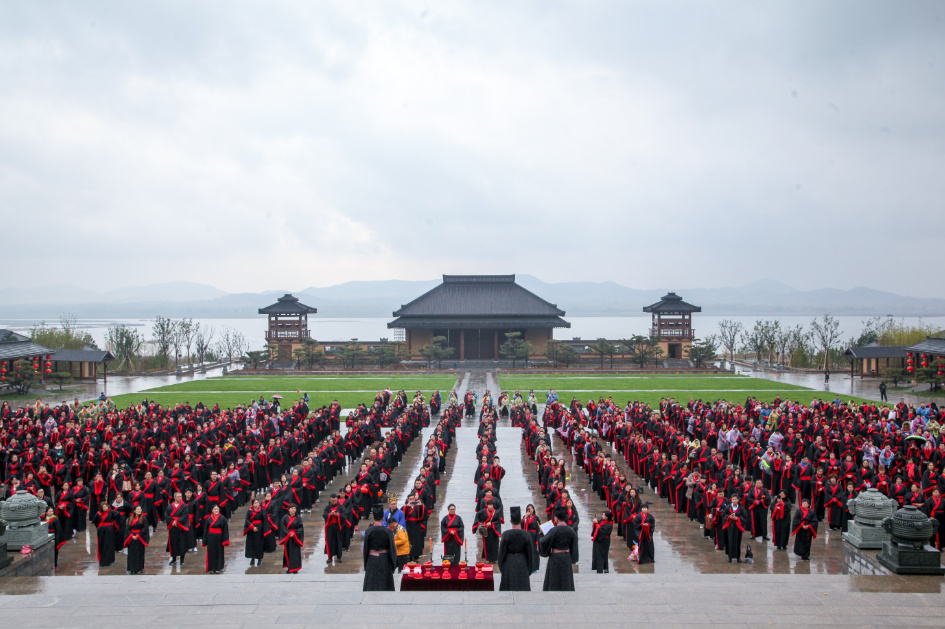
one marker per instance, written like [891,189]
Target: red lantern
[925,363]
[48,364]
[3,370]
[17,367]
[908,361]
[909,354]
[48,356]
[909,368]
[48,371]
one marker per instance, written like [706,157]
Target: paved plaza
[690,583]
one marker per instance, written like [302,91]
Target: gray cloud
[652,143]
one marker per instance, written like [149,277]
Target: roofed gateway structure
[474,312]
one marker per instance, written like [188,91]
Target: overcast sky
[260,145]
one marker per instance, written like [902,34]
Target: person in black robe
[515,555]
[122,510]
[781,521]
[488,525]
[54,528]
[291,538]
[452,534]
[380,554]
[804,529]
[560,545]
[600,536]
[532,524]
[643,526]
[732,519]
[216,536]
[177,517]
[333,530]
[757,501]
[254,528]
[415,514]
[138,532]
[272,512]
[106,528]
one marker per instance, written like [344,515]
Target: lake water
[327,329]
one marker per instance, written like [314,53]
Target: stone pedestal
[21,515]
[907,559]
[5,558]
[32,536]
[864,536]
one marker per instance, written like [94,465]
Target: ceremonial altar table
[413,583]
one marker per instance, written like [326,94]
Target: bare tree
[177,339]
[729,332]
[163,331]
[224,346]
[239,343]
[203,338]
[781,340]
[188,330]
[825,333]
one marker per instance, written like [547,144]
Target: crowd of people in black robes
[190,468]
[734,467]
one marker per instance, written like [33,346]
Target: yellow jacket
[401,541]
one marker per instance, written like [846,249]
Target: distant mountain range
[381,298]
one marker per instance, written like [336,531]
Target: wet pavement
[681,548]
[840,382]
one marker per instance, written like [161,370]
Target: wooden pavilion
[672,324]
[474,312]
[288,326]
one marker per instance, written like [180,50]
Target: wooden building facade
[474,313]
[288,326]
[672,325]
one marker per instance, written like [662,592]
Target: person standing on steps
[380,554]
[560,546]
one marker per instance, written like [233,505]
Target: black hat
[377,512]
[515,515]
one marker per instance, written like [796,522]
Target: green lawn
[651,388]
[804,396]
[682,382]
[234,390]
[312,384]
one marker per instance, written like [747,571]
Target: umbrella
[917,438]
[277,397]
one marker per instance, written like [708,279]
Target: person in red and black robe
[643,526]
[138,534]
[54,528]
[291,538]
[835,500]
[532,524]
[732,519]
[216,537]
[804,529]
[488,525]
[333,525]
[452,532]
[935,509]
[177,517]
[757,499]
[781,521]
[415,516]
[254,530]
[106,530]
[601,530]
